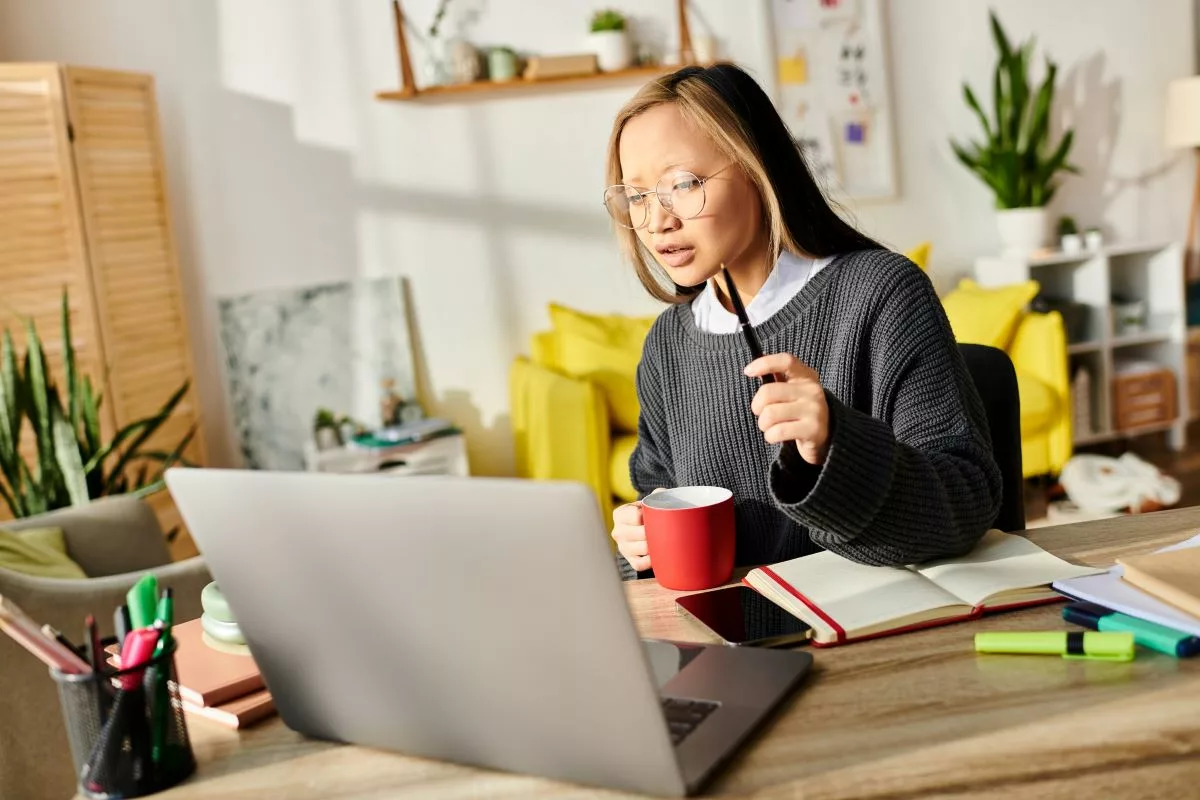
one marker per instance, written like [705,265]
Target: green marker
[164,618]
[1075,645]
[1147,634]
[165,615]
[143,601]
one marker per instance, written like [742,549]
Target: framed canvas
[290,352]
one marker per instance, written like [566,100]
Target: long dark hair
[728,105]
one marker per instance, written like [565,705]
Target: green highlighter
[1073,645]
[1145,633]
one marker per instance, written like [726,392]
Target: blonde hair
[706,109]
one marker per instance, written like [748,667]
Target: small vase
[462,60]
[502,64]
[435,66]
[1022,230]
[612,50]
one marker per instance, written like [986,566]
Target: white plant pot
[1022,230]
[1093,239]
[612,50]
[1071,243]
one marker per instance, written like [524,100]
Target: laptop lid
[480,620]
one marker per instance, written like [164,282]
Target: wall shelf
[457,92]
[485,89]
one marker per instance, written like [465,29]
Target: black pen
[744,321]
[121,625]
[51,632]
[751,339]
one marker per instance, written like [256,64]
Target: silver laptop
[475,620]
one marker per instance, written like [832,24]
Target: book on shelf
[844,601]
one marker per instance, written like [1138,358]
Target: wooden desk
[906,716]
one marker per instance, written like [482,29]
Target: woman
[873,442]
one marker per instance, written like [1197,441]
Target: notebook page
[859,597]
[1001,562]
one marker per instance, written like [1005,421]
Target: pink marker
[138,649]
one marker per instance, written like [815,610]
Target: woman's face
[658,149]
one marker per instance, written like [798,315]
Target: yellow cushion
[988,316]
[919,255]
[41,552]
[622,451]
[1039,404]
[603,349]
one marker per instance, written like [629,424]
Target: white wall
[284,170]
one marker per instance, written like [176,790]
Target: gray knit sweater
[909,474]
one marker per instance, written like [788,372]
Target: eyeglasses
[680,193]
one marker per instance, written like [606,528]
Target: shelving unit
[483,89]
[1151,272]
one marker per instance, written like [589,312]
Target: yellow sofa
[1037,345]
[574,402]
[574,411]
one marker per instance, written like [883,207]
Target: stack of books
[217,684]
[1161,588]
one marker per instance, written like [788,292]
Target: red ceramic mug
[690,536]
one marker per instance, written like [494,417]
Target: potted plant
[1092,238]
[1015,157]
[326,432]
[1068,235]
[610,41]
[71,465]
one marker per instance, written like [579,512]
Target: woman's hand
[630,534]
[793,408]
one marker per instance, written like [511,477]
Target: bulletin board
[832,91]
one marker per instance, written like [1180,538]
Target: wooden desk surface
[905,716]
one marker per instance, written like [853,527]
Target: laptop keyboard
[684,715]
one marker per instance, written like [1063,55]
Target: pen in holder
[126,728]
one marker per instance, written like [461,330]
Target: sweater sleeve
[650,465]
[919,484]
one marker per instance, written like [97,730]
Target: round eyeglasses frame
[664,198]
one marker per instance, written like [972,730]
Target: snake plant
[1015,157]
[71,464]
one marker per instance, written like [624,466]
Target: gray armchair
[115,540]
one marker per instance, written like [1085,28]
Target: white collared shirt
[790,275]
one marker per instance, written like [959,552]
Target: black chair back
[996,381]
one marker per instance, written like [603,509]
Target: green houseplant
[608,20]
[71,465]
[609,40]
[1015,157]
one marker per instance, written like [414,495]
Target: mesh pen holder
[126,728]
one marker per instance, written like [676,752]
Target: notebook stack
[1161,587]
[218,684]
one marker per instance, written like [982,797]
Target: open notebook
[844,601]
